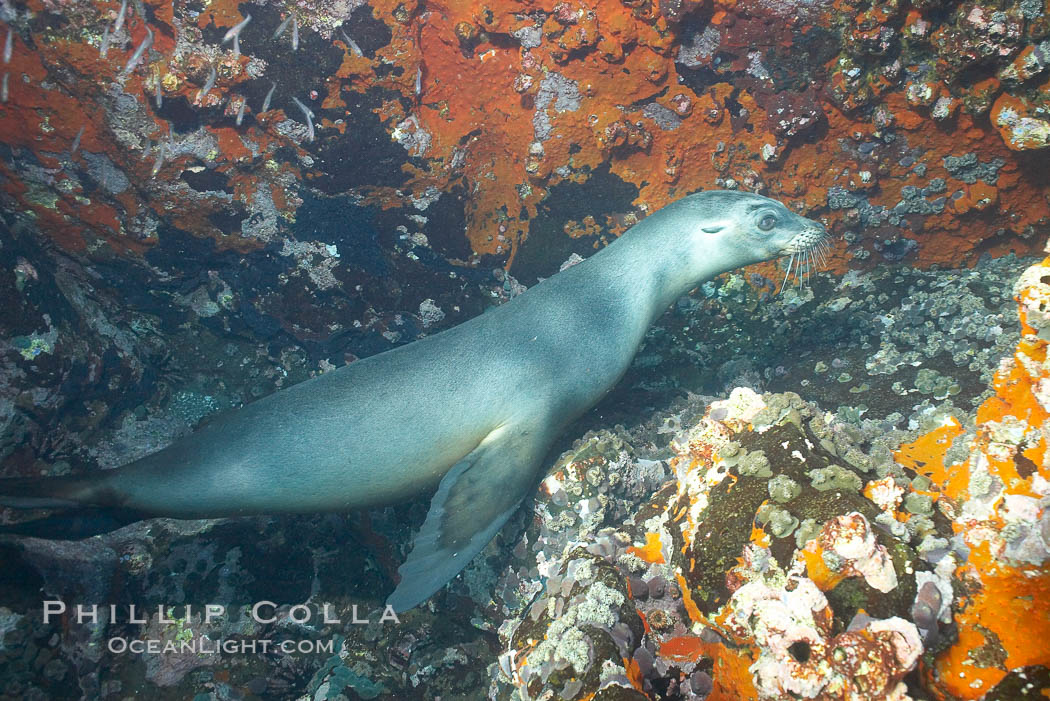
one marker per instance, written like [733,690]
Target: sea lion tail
[84,502]
[51,492]
[74,524]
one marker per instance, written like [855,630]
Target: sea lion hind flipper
[475,498]
[49,492]
[74,524]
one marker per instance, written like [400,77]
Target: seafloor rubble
[192,219]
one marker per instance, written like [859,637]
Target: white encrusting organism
[139,52]
[309,118]
[269,95]
[354,48]
[208,84]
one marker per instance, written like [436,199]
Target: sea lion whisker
[787,272]
[825,250]
[819,251]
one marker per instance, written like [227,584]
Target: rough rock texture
[995,486]
[763,568]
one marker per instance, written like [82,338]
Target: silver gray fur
[471,411]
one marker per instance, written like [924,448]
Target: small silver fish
[309,118]
[208,84]
[159,96]
[76,142]
[235,30]
[354,48]
[3,87]
[295,33]
[240,111]
[419,81]
[237,46]
[106,37]
[9,45]
[269,94]
[306,110]
[159,163]
[282,26]
[139,52]
[119,22]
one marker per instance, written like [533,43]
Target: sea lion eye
[767,222]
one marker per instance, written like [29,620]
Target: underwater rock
[996,490]
[1020,124]
[824,608]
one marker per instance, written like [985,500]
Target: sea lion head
[743,228]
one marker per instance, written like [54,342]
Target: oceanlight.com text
[205,646]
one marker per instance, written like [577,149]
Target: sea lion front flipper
[475,498]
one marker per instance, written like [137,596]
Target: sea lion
[472,410]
